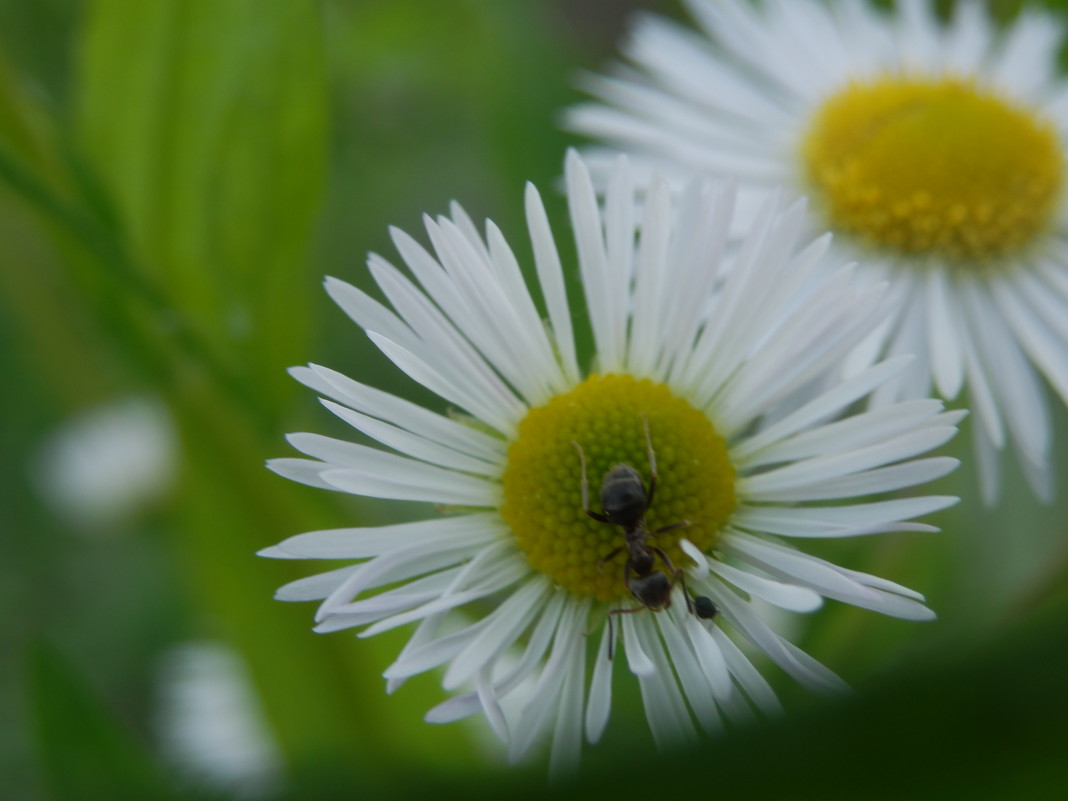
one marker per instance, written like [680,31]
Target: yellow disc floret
[938,167]
[605,416]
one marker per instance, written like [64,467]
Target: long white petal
[364,543]
[505,624]
[819,469]
[868,482]
[551,279]
[837,521]
[402,413]
[412,445]
[599,704]
[943,328]
[786,596]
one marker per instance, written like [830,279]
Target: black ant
[624,502]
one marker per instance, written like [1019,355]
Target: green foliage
[85,752]
[207,123]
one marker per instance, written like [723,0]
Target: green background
[176,177]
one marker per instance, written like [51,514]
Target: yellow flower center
[604,416]
[937,167]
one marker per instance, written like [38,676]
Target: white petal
[304,471]
[837,521]
[1044,347]
[830,580]
[368,471]
[480,406]
[510,570]
[664,706]
[314,588]
[1015,384]
[541,354]
[710,657]
[369,314]
[472,365]
[567,733]
[649,278]
[363,543]
[823,407]
[599,704]
[505,625]
[402,413]
[453,709]
[785,596]
[807,672]
[538,643]
[597,273]
[401,564]
[820,469]
[852,432]
[537,714]
[619,236]
[944,329]
[1024,62]
[869,482]
[692,551]
[432,653]
[551,278]
[702,226]
[492,709]
[747,676]
[695,686]
[637,660]
[412,445]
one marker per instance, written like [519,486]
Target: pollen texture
[604,415]
[933,167]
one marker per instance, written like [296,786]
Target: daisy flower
[691,378]
[935,152]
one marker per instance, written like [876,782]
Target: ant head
[623,496]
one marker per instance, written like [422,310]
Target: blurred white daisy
[535,576]
[935,152]
[108,463]
[210,724]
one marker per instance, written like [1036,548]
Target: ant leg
[585,482]
[600,564]
[600,518]
[672,527]
[686,592]
[627,568]
[652,462]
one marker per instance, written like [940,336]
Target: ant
[624,502]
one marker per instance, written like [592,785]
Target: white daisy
[105,465]
[934,151]
[510,592]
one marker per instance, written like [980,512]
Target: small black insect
[624,502]
[704,608]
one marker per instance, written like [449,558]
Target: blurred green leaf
[86,753]
[206,121]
